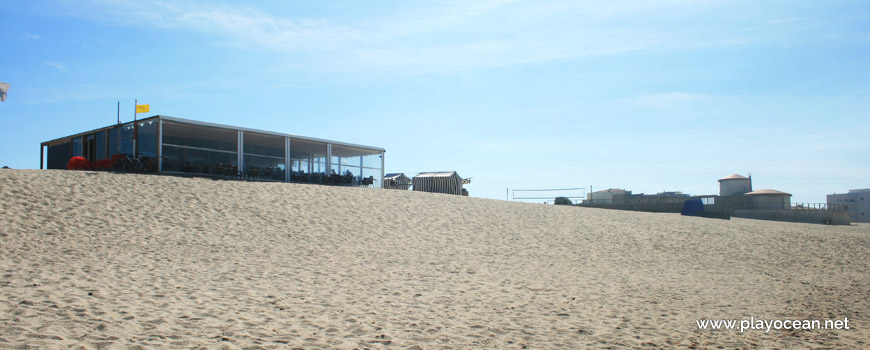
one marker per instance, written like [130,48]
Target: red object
[78,163]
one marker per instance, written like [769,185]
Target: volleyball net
[549,195]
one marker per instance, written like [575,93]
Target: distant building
[858,202]
[607,196]
[448,182]
[397,181]
[770,199]
[734,184]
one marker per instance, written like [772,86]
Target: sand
[99,260]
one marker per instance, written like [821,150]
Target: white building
[607,196]
[734,184]
[858,202]
[768,199]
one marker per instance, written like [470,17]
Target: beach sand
[100,260]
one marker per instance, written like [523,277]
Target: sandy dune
[99,260]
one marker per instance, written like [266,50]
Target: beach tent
[397,181]
[447,182]
[692,207]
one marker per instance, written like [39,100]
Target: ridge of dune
[94,260]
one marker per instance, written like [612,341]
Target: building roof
[734,177]
[767,192]
[437,174]
[392,175]
[610,190]
[215,125]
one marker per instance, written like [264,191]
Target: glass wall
[101,144]
[77,146]
[210,150]
[58,156]
[148,138]
[125,141]
[307,161]
[200,149]
[263,156]
[347,163]
[89,147]
[357,166]
[114,141]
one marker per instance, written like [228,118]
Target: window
[202,137]
[114,142]
[58,156]
[101,145]
[358,164]
[264,156]
[307,161]
[200,149]
[148,138]
[77,147]
[125,142]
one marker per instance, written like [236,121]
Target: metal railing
[819,206]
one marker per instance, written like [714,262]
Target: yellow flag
[143,108]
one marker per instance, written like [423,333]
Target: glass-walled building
[174,145]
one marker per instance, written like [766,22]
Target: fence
[819,206]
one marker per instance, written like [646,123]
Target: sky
[642,95]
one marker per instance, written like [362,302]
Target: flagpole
[135,129]
[119,112]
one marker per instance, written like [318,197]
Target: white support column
[287,159]
[159,144]
[241,151]
[382,167]
[329,159]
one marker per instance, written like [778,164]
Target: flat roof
[214,125]
[767,192]
[610,190]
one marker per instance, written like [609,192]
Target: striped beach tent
[397,181]
[447,182]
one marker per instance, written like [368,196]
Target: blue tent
[692,207]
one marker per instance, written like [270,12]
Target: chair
[254,173]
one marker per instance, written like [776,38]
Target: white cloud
[57,66]
[441,36]
[30,36]
[239,26]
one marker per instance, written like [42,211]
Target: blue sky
[644,95]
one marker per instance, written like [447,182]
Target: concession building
[181,146]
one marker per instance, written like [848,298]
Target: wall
[730,203]
[648,207]
[732,187]
[772,202]
[605,196]
[807,216]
